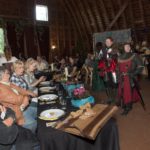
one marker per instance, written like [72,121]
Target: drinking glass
[62,102]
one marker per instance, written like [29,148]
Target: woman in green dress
[97,82]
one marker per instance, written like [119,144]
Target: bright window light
[41,13]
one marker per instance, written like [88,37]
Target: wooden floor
[134,129]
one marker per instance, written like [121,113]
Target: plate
[51,114]
[45,83]
[47,89]
[48,97]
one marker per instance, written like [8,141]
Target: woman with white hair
[17,76]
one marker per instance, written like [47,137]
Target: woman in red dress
[129,67]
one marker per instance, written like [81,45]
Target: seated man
[8,131]
[13,135]
[13,97]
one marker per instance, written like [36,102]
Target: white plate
[51,114]
[48,97]
[47,89]
[45,83]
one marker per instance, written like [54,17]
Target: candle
[52,67]
[66,72]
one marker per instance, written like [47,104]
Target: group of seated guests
[79,68]
[18,113]
[74,65]
[16,93]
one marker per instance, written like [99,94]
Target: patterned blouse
[30,79]
[19,81]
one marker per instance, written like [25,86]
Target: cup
[62,102]
[60,93]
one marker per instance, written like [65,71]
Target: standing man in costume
[129,66]
[107,68]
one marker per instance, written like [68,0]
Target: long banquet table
[52,139]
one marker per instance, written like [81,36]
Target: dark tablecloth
[52,139]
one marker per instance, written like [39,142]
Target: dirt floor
[134,129]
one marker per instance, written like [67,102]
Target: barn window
[41,13]
[1,41]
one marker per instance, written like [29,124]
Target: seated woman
[13,135]
[12,96]
[17,99]
[42,64]
[32,82]
[62,65]
[72,68]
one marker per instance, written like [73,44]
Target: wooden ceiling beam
[93,24]
[70,13]
[101,5]
[142,11]
[80,19]
[98,16]
[84,16]
[123,15]
[122,9]
[131,14]
[113,13]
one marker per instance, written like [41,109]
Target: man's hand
[2,112]
[2,108]
[8,122]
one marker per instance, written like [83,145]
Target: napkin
[34,99]
[98,116]
[50,119]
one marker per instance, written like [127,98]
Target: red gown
[126,91]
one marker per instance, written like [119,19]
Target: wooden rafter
[104,12]
[84,15]
[122,9]
[123,15]
[142,11]
[113,13]
[80,18]
[98,16]
[93,22]
[84,3]
[71,14]
[131,14]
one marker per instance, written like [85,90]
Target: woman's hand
[25,103]
[32,94]
[42,78]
